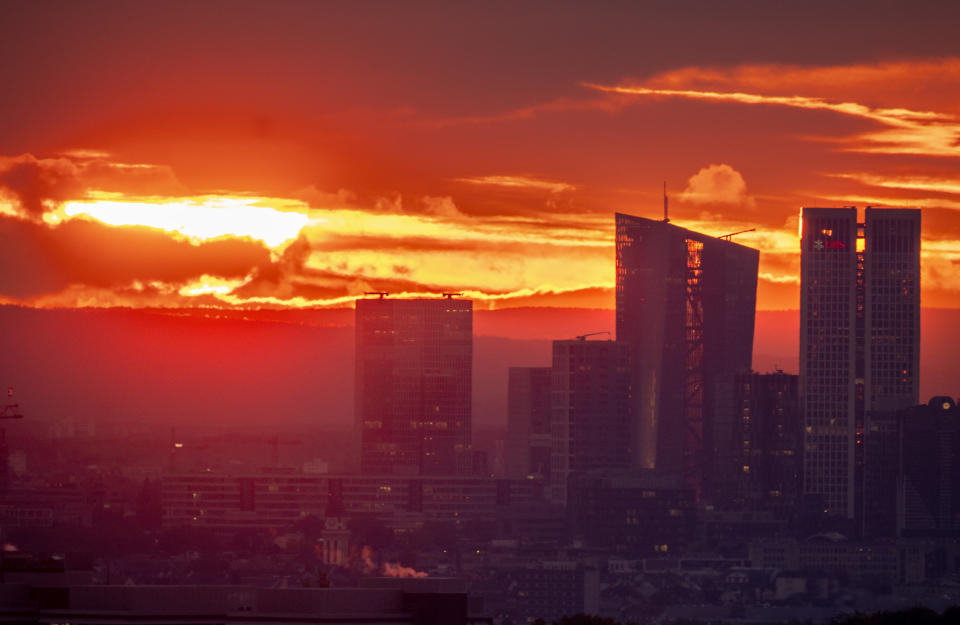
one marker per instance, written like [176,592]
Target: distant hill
[297,366]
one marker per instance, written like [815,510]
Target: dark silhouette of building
[529,408]
[930,470]
[859,339]
[591,409]
[686,304]
[434,601]
[632,511]
[881,476]
[550,590]
[270,500]
[768,443]
[412,406]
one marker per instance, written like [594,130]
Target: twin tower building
[661,396]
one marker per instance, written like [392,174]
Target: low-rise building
[279,499]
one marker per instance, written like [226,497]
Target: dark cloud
[33,180]
[40,260]
[39,184]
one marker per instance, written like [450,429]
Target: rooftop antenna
[666,217]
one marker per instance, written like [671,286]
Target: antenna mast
[666,217]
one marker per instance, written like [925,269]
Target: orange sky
[248,155]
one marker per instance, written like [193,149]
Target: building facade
[768,444]
[529,406]
[632,512]
[232,502]
[686,304]
[591,409]
[859,339]
[414,367]
[929,501]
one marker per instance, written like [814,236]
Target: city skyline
[557,312]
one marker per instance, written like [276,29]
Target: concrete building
[414,363]
[632,512]
[859,339]
[591,409]
[553,589]
[857,563]
[273,500]
[686,303]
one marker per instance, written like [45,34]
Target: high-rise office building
[768,448]
[414,364]
[686,303]
[929,480]
[859,339]
[529,408]
[590,420]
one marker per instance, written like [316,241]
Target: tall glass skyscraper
[414,367]
[859,339]
[686,303]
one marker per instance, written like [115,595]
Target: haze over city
[529,299]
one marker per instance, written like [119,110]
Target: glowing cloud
[717,184]
[919,183]
[197,218]
[522,182]
[909,131]
[210,285]
[894,202]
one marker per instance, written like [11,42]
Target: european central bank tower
[686,303]
[859,340]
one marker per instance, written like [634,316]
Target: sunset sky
[297,154]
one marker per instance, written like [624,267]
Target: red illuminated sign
[829,245]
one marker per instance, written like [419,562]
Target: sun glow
[197,218]
[211,285]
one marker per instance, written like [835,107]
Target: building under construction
[686,303]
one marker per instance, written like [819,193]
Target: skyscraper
[414,362]
[768,445]
[930,470]
[859,339]
[590,420]
[686,304]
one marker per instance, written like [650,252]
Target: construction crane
[583,337]
[452,295]
[727,237]
[382,294]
